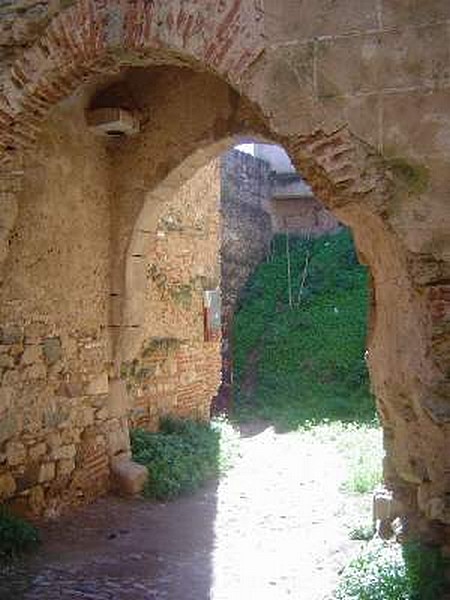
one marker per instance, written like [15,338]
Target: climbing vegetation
[299,335]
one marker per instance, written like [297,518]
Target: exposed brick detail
[439,301]
[340,168]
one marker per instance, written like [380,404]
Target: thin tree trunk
[305,270]
[289,277]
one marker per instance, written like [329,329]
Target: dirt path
[276,528]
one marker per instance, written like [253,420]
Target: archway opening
[74,341]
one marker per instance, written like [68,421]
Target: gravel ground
[277,527]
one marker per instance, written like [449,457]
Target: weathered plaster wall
[55,351]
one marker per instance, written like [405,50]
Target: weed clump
[183,455]
[388,571]
[17,536]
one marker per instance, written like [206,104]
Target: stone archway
[409,344]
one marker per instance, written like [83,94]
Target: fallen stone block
[129,478]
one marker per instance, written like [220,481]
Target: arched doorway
[88,48]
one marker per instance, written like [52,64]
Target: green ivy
[308,360]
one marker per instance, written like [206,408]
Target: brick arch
[94,37]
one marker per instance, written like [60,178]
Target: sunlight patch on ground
[283,519]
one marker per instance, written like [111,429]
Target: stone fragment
[35,372]
[15,453]
[84,417]
[70,435]
[118,437]
[47,472]
[71,389]
[129,478]
[8,426]
[32,354]
[118,398]
[16,349]
[6,394]
[385,510]
[65,467]
[7,486]
[11,378]
[6,361]
[54,440]
[52,350]
[37,451]
[102,414]
[438,407]
[64,452]
[36,499]
[99,385]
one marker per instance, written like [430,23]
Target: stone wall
[245,239]
[301,216]
[55,351]
[65,408]
[176,370]
[246,227]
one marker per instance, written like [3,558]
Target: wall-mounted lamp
[112,122]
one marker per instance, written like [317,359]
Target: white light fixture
[112,122]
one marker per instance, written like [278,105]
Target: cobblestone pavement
[275,528]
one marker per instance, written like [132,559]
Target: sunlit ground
[283,516]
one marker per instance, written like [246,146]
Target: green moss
[160,344]
[414,176]
[182,295]
[128,369]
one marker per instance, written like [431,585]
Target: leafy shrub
[17,536]
[426,571]
[388,571]
[362,532]
[182,455]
